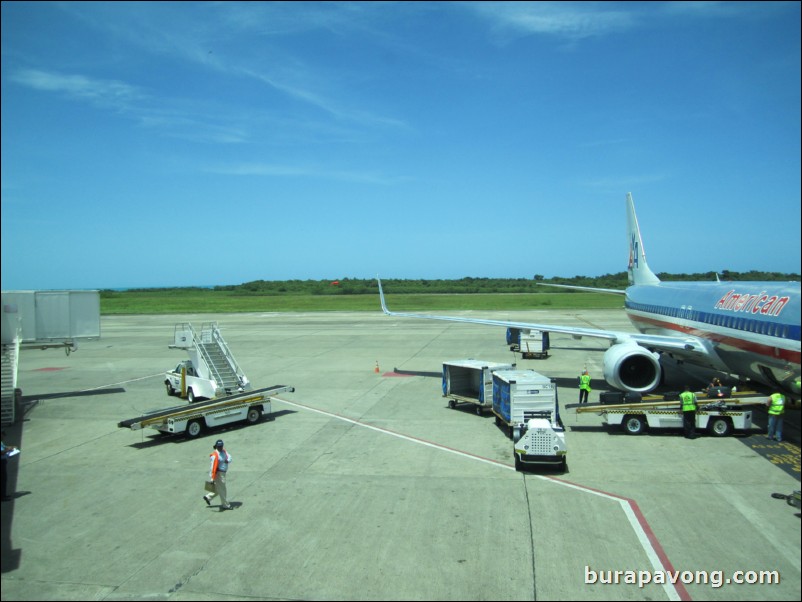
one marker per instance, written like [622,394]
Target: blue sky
[178,144]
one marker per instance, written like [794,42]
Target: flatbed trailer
[720,417]
[193,418]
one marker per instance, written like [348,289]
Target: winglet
[638,270]
[381,296]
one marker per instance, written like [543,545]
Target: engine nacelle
[630,367]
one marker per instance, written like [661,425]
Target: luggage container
[532,344]
[527,403]
[471,381]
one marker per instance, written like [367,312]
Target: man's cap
[219,443]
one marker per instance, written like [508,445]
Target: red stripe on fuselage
[767,351]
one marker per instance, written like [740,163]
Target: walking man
[220,461]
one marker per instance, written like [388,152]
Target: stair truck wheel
[190,396]
[170,390]
[194,428]
[254,413]
[634,424]
[719,426]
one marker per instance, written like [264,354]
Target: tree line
[467,285]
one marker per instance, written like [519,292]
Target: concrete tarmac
[365,485]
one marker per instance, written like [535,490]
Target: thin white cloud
[294,171]
[569,20]
[107,93]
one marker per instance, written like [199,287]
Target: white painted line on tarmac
[648,541]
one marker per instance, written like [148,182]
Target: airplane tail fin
[638,270]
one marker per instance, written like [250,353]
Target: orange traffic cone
[376,370]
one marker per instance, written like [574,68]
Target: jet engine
[630,367]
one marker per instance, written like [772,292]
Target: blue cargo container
[532,344]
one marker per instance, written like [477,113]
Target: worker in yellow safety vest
[584,387]
[776,404]
[688,400]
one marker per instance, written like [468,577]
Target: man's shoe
[208,502]
[226,507]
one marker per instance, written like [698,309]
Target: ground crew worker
[776,404]
[584,387]
[688,400]
[220,459]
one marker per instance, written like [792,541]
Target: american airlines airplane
[750,330]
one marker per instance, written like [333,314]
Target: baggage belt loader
[720,417]
[192,419]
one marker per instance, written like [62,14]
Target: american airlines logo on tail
[768,305]
[633,252]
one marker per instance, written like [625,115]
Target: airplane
[749,330]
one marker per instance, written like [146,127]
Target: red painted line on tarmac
[647,530]
[48,369]
[679,587]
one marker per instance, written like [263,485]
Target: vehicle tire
[190,396]
[170,390]
[479,411]
[718,426]
[194,428]
[253,415]
[519,466]
[452,403]
[634,424]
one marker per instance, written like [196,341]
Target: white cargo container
[527,403]
[471,381]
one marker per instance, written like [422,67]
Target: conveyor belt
[199,406]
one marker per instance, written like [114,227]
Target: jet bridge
[42,320]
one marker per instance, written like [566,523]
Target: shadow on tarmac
[32,399]
[10,558]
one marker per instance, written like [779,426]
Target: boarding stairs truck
[211,370]
[718,416]
[531,344]
[471,381]
[193,419]
[527,404]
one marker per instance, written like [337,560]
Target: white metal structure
[211,370]
[42,320]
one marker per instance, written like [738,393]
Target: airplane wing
[629,352]
[656,342]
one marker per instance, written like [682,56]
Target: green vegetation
[349,294]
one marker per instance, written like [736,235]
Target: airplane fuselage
[753,328]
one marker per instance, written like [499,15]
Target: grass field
[211,301]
